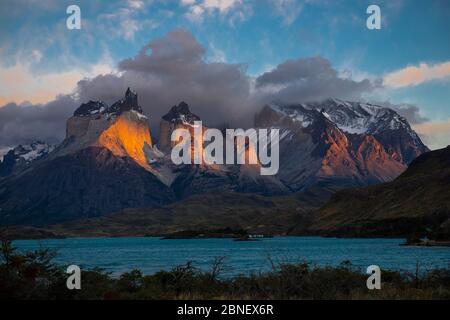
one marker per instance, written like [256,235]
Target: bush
[34,276]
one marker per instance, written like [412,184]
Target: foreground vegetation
[33,275]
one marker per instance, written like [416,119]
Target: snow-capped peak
[360,118]
[130,93]
[4,151]
[181,113]
[297,113]
[91,108]
[32,151]
[128,103]
[351,117]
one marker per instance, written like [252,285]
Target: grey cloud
[177,52]
[165,72]
[309,79]
[23,124]
[296,70]
[107,88]
[173,69]
[409,111]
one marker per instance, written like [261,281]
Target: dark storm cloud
[175,54]
[172,69]
[309,79]
[24,124]
[107,88]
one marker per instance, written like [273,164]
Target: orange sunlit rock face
[127,137]
[251,156]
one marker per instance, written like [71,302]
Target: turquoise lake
[118,255]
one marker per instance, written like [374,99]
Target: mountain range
[416,203]
[109,160]
[22,156]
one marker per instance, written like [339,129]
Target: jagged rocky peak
[179,116]
[128,103]
[352,118]
[294,116]
[32,151]
[181,113]
[390,128]
[336,142]
[358,117]
[23,155]
[3,152]
[131,97]
[121,128]
[91,108]
[299,113]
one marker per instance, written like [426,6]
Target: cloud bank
[26,123]
[309,79]
[174,68]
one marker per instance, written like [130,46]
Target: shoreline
[23,233]
[430,244]
[164,237]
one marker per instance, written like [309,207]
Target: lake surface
[150,255]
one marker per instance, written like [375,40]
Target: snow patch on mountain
[350,117]
[181,114]
[140,116]
[296,113]
[4,151]
[129,103]
[32,152]
[91,108]
[360,118]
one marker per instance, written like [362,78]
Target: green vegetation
[33,275]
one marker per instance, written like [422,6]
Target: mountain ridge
[21,156]
[314,153]
[328,155]
[415,203]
